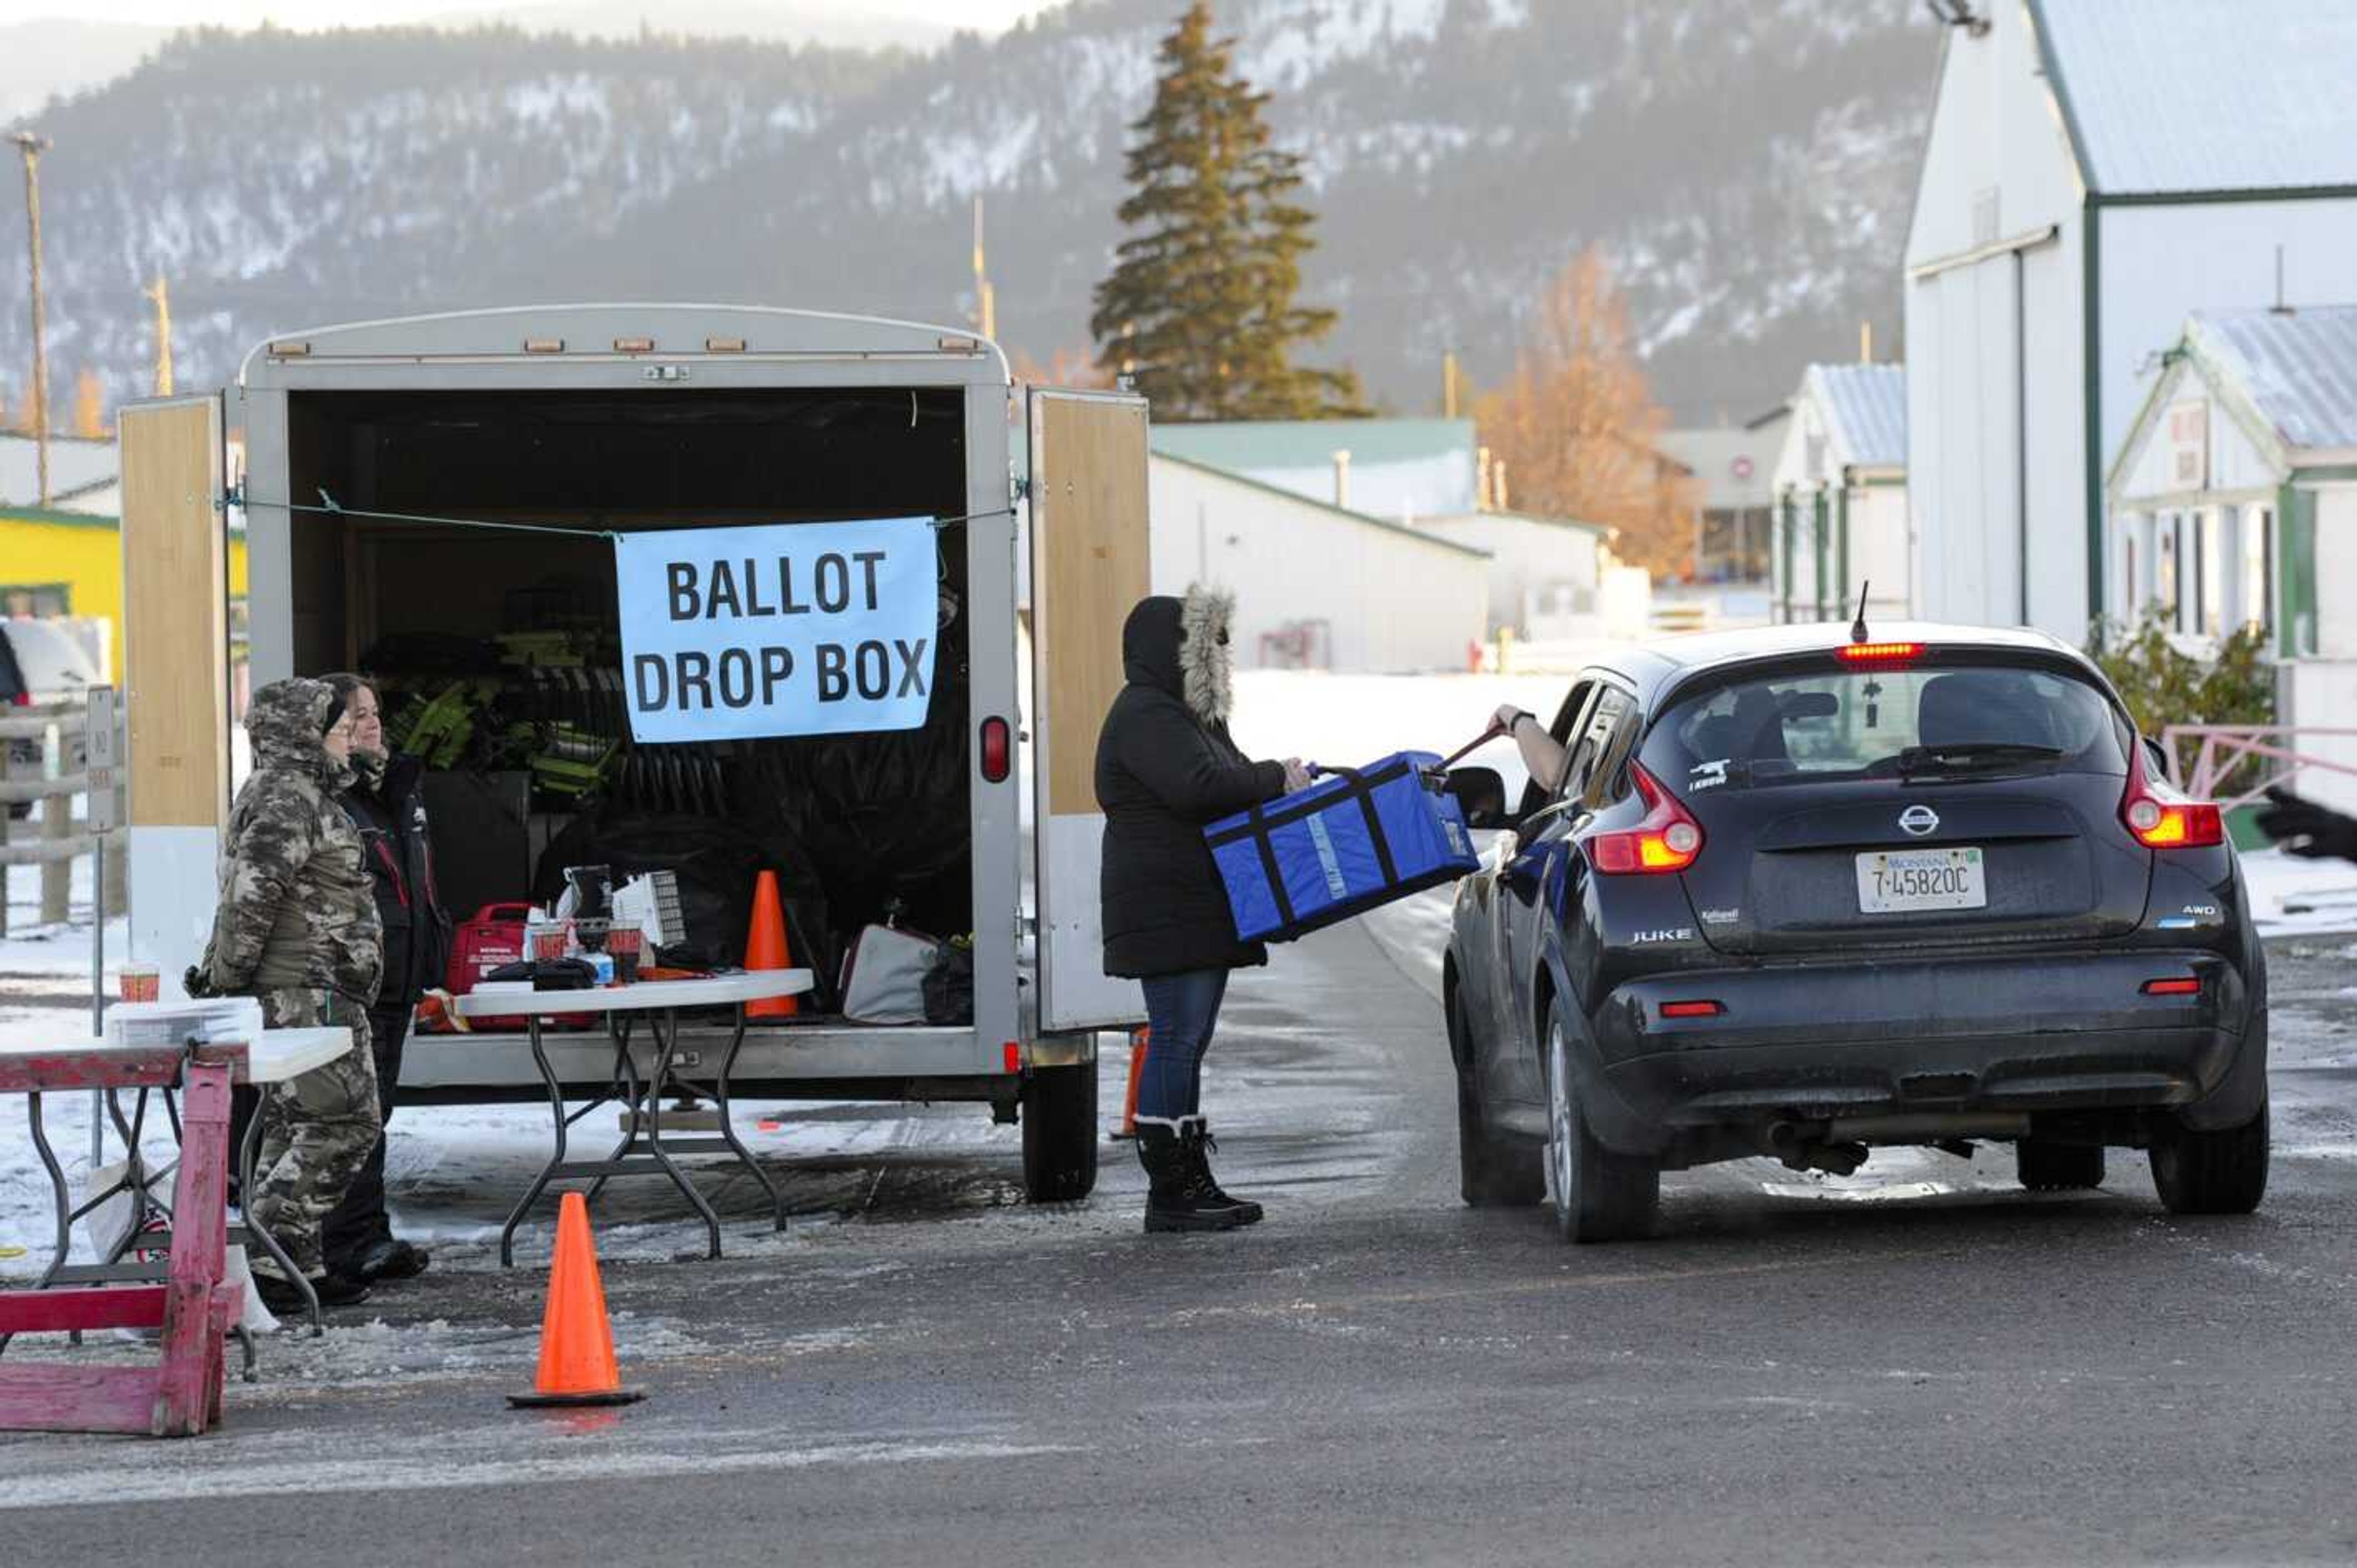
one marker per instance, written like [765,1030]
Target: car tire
[1060,1134]
[1493,1171]
[2219,1172]
[1599,1196]
[2047,1166]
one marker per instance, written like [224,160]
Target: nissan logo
[1919,821]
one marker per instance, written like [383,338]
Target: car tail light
[2177,985]
[1879,653]
[996,751]
[1668,839]
[1691,1009]
[2162,818]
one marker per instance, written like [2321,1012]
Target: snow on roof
[2181,95]
[2299,369]
[1865,407]
[74,465]
[1398,467]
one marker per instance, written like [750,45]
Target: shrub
[2163,686]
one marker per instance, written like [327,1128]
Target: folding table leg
[247,1154]
[540,1182]
[666,1035]
[729,1126]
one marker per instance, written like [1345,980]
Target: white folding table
[275,1056]
[660,1002]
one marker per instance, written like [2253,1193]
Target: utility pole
[985,302]
[33,146]
[162,296]
[1448,384]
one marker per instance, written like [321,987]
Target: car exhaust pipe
[1802,1151]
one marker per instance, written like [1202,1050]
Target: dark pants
[360,1221]
[1181,1010]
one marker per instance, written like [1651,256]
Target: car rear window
[1836,724]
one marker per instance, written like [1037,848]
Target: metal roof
[1245,446]
[2298,367]
[2170,96]
[74,465]
[1316,504]
[1865,405]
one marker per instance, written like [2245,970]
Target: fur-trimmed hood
[1180,646]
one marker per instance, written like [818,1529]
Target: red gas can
[493,939]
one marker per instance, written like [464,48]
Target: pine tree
[1201,308]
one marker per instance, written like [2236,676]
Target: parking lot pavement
[1919,1363]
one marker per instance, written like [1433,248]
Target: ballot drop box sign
[780,630]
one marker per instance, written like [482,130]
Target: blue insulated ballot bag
[1357,838]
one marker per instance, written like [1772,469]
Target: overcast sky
[361,13]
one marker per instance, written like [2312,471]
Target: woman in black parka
[1165,767]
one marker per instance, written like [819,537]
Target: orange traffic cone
[765,947]
[576,1343]
[1137,1042]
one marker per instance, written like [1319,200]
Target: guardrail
[56,839]
[2226,747]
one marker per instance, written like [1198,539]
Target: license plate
[1900,881]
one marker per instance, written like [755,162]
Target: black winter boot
[1195,1137]
[1173,1200]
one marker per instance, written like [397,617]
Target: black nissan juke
[1801,894]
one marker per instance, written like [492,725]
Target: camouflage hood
[285,722]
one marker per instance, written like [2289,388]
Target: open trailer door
[175,692]
[1089,565]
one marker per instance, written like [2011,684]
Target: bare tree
[1576,425]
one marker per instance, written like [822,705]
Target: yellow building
[71,563]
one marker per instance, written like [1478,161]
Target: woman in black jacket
[1166,767]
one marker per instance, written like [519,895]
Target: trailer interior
[498,656]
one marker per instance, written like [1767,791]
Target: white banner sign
[793,628]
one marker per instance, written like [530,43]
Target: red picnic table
[181,1396]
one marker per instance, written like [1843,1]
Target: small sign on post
[104,754]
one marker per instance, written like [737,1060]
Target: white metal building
[1734,523]
[1316,586]
[2097,171]
[2233,502]
[1545,574]
[1840,481]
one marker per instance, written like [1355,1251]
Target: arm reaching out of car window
[1541,753]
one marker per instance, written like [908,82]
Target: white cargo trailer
[374,453]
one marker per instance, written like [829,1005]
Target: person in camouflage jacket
[297,928]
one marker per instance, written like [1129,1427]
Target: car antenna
[1858,627]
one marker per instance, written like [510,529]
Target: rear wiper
[1972,756]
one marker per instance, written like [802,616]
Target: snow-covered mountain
[1747,164]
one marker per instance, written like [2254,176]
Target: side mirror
[1481,796]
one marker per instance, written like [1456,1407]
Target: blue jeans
[1181,1010]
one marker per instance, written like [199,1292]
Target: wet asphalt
[1920,1364]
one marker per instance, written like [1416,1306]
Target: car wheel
[2046,1166]
[1599,1196]
[2219,1172]
[1492,1171]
